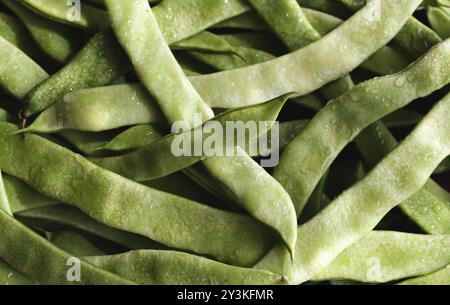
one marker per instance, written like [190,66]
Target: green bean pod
[134,137]
[440,277]
[85,16]
[439,18]
[93,143]
[177,268]
[97,64]
[430,206]
[294,22]
[10,276]
[357,211]
[384,256]
[338,123]
[51,37]
[99,109]
[74,243]
[22,197]
[18,73]
[47,264]
[299,71]
[101,60]
[415,38]
[58,173]
[63,217]
[131,20]
[16,33]
[158,160]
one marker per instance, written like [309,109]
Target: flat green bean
[415,38]
[4,201]
[356,212]
[5,116]
[89,18]
[134,137]
[18,73]
[58,41]
[204,41]
[58,173]
[439,18]
[177,268]
[73,243]
[15,32]
[47,264]
[441,277]
[292,23]
[57,217]
[299,71]
[157,159]
[385,256]
[9,276]
[99,109]
[22,197]
[131,20]
[97,64]
[343,118]
[101,60]
[429,207]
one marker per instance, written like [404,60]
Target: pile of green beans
[356,97]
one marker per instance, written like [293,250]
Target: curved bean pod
[243,57]
[292,73]
[287,25]
[179,19]
[415,38]
[387,256]
[48,264]
[440,21]
[18,73]
[99,109]
[384,61]
[5,116]
[87,143]
[293,22]
[16,33]
[430,206]
[67,217]
[357,211]
[177,268]
[4,201]
[73,243]
[58,173]
[259,194]
[204,41]
[22,197]
[138,166]
[98,63]
[346,116]
[10,276]
[101,60]
[90,18]
[50,36]
[441,277]
[135,137]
